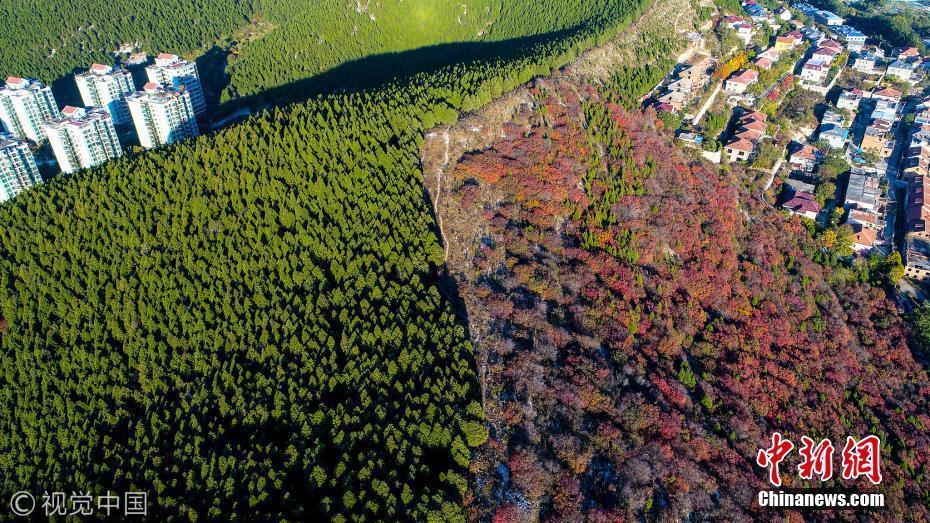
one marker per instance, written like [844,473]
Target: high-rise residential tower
[107,87]
[83,138]
[25,106]
[162,115]
[18,170]
[172,71]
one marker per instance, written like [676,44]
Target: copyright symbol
[22,503]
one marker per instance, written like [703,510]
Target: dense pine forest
[48,39]
[253,323]
[302,48]
[310,38]
[647,323]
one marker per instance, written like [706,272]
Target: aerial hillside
[643,325]
[252,324]
[262,44]
[311,38]
[48,39]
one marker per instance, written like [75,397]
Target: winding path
[439,172]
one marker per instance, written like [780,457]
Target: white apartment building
[107,87]
[25,106]
[162,115]
[171,71]
[18,170]
[83,138]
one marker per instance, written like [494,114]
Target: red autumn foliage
[643,326]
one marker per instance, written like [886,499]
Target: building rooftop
[746,76]
[888,93]
[802,202]
[740,144]
[847,32]
[864,188]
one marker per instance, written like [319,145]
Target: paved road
[713,96]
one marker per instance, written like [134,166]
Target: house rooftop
[72,112]
[740,144]
[802,202]
[888,92]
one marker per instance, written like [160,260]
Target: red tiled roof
[755,125]
[757,116]
[69,110]
[99,67]
[802,202]
[806,152]
[166,56]
[150,86]
[740,145]
[864,217]
[764,62]
[866,237]
[888,92]
[744,77]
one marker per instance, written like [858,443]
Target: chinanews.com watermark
[859,460]
[820,499]
[79,504]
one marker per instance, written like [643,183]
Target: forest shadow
[381,69]
[65,89]
[213,76]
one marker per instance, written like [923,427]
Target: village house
[750,128]
[922,116]
[908,54]
[917,161]
[901,70]
[824,54]
[867,63]
[804,157]
[767,58]
[863,239]
[783,13]
[755,11]
[674,100]
[850,99]
[829,18]
[887,93]
[812,34]
[864,190]
[854,39]
[744,32]
[833,130]
[787,42]
[885,109]
[804,204]
[740,81]
[867,219]
[814,73]
[875,140]
[917,237]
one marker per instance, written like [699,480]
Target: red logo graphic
[773,455]
[817,460]
[859,458]
[862,459]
